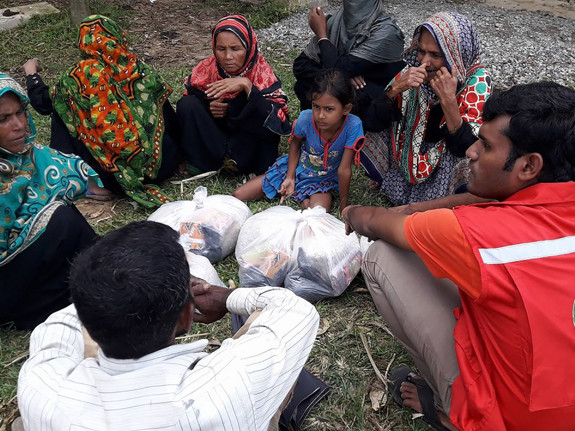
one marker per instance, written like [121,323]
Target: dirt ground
[172,32]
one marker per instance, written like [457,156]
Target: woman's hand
[444,84]
[228,85]
[218,108]
[412,78]
[317,22]
[286,189]
[358,82]
[32,66]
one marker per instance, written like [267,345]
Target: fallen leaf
[323,326]
[377,395]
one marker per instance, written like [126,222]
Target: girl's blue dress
[317,168]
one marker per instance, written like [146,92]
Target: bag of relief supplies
[208,225]
[324,259]
[264,246]
[201,267]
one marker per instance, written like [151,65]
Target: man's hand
[317,22]
[345,215]
[210,300]
[218,108]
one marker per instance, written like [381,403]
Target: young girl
[322,146]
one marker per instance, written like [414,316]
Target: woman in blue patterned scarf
[428,116]
[40,229]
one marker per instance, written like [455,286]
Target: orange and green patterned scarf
[112,102]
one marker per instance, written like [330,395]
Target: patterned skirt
[306,184]
[449,177]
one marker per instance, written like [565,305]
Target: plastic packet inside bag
[264,247]
[208,225]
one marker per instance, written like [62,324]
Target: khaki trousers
[418,309]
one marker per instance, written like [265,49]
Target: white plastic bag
[324,259]
[264,246]
[201,267]
[208,226]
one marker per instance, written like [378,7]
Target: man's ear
[347,108]
[185,320]
[531,167]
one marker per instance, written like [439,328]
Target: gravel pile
[518,47]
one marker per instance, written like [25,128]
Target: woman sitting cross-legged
[428,117]
[40,229]
[112,110]
[234,110]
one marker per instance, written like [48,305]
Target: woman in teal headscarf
[40,229]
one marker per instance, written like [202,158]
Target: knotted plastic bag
[208,225]
[324,259]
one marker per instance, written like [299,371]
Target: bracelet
[323,38]
[452,131]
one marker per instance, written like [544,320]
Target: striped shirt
[238,387]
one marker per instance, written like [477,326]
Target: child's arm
[344,176]
[288,185]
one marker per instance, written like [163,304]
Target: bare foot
[409,395]
[411,399]
[373,185]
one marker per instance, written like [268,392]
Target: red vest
[515,344]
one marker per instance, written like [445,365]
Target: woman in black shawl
[360,40]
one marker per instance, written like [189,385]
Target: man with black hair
[133,292]
[485,305]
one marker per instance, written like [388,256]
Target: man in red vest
[486,304]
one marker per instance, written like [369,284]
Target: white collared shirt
[238,387]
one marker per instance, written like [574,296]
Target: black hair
[542,120]
[335,83]
[130,287]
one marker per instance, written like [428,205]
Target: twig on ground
[102,219]
[15,360]
[381,326]
[194,178]
[188,336]
[383,379]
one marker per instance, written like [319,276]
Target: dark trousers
[35,283]
[206,141]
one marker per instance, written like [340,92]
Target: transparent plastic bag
[208,226]
[264,246]
[324,259]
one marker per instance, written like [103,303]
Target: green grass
[338,357]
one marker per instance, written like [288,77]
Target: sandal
[424,393]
